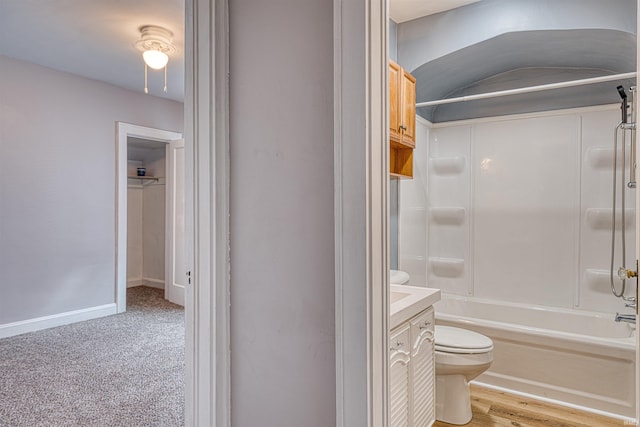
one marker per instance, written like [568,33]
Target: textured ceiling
[94,39]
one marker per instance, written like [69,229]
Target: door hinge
[188,277]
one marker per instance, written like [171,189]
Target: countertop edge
[419,300]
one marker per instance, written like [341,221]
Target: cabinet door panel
[423,368]
[408,108]
[399,384]
[395,112]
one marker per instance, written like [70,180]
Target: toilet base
[453,399]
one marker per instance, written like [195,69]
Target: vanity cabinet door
[399,379]
[422,369]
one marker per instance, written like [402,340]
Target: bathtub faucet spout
[628,318]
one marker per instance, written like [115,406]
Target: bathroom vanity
[411,356]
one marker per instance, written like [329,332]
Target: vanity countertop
[407,301]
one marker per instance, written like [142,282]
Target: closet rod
[529,89]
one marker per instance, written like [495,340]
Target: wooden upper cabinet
[402,120]
[402,105]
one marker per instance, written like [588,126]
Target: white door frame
[637,159]
[361,212]
[361,180]
[206,108]
[123,131]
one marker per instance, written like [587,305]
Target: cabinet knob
[403,127]
[397,346]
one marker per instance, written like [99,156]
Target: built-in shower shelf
[600,157]
[446,267]
[447,215]
[600,218]
[597,280]
[447,165]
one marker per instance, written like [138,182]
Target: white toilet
[397,277]
[461,356]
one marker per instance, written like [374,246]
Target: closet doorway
[150,212]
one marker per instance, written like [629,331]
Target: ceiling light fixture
[155,45]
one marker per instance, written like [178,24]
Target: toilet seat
[449,339]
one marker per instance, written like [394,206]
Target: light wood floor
[497,409]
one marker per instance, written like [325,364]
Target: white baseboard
[145,281]
[45,322]
[152,283]
[132,283]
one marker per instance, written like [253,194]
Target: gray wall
[281,202]
[393,40]
[393,185]
[57,186]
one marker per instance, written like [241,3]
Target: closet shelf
[145,179]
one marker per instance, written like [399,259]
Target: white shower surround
[515,211]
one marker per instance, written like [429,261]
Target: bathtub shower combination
[581,358]
[518,236]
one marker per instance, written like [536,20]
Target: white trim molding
[361,211]
[637,104]
[146,281]
[152,283]
[46,322]
[132,283]
[207,300]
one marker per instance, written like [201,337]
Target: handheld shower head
[623,107]
[621,92]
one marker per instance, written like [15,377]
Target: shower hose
[622,207]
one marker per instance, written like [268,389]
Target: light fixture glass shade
[155,59]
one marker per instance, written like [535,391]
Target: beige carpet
[122,370]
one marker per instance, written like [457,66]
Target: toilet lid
[456,340]
[398,277]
